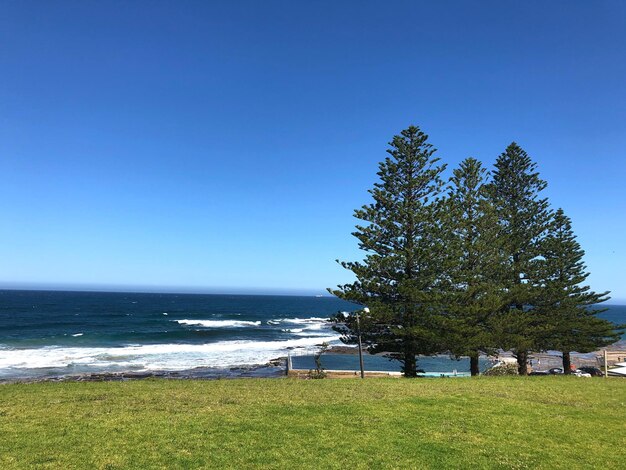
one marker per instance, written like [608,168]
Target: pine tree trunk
[567,363]
[474,371]
[522,362]
[410,364]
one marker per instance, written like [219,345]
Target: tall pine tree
[568,305]
[474,292]
[399,277]
[523,220]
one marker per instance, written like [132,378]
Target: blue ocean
[53,333]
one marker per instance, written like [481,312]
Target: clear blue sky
[224,145]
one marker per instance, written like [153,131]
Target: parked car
[555,370]
[593,371]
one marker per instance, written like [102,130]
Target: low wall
[342,374]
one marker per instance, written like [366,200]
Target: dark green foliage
[568,305]
[474,291]
[523,220]
[400,275]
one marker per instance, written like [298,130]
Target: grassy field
[534,422]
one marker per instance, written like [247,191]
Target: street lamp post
[358,326]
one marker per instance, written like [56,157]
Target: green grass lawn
[498,422]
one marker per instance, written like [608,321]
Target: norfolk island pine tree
[567,305]
[399,277]
[474,291]
[523,218]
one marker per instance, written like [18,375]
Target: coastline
[277,368]
[114,336]
[273,369]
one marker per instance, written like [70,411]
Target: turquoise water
[434,364]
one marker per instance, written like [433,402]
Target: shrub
[502,369]
[319,372]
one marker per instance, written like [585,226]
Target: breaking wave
[155,356]
[218,323]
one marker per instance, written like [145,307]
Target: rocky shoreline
[277,367]
[274,368]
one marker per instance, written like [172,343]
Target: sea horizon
[96,288]
[146,289]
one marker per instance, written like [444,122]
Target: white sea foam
[78,334]
[292,330]
[304,334]
[155,356]
[219,323]
[313,326]
[300,321]
[313,323]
